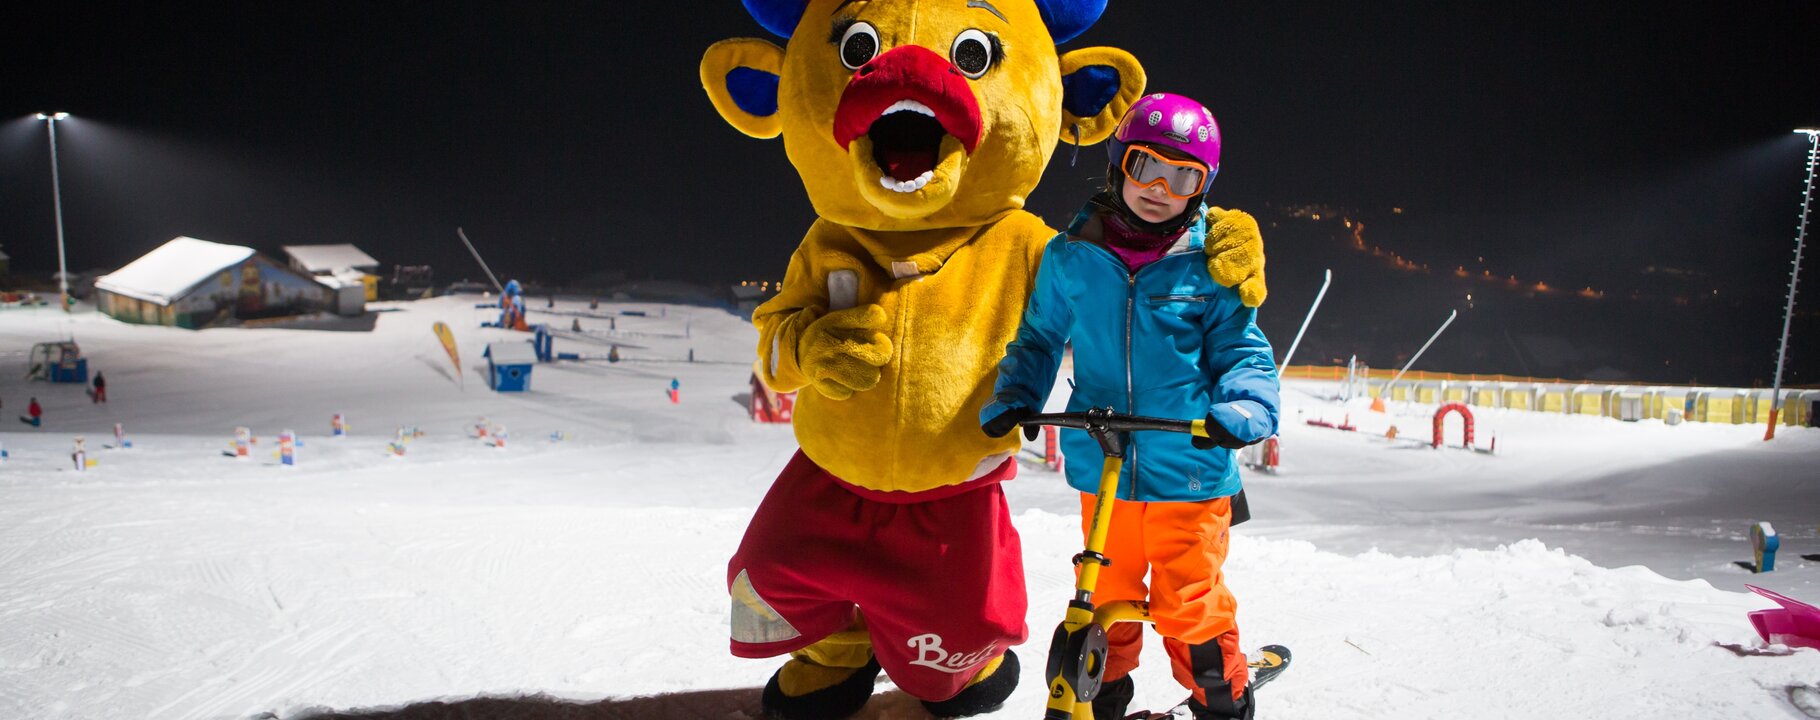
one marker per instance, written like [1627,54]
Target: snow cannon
[1795,624]
[1763,542]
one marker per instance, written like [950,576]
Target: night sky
[1643,152]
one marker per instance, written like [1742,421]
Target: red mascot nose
[915,73]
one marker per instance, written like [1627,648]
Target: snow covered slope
[568,578]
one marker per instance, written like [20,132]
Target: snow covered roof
[328,258]
[511,352]
[344,278]
[162,275]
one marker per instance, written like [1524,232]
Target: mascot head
[919,114]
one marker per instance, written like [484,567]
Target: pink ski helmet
[1171,121]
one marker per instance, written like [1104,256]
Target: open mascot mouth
[906,144]
[908,121]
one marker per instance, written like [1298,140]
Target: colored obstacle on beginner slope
[241,447]
[769,406]
[1764,542]
[1795,624]
[79,455]
[1345,423]
[1052,448]
[1267,456]
[1441,420]
[287,448]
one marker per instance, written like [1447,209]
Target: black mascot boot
[983,696]
[836,701]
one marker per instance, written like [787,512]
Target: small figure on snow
[34,414]
[99,394]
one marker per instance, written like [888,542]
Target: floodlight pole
[1794,276]
[63,276]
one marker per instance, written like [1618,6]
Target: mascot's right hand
[842,351]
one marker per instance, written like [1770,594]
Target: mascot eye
[858,45]
[972,52]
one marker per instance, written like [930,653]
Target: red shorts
[941,583]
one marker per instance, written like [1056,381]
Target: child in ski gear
[34,414]
[1153,335]
[100,394]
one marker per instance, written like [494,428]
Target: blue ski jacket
[1166,341]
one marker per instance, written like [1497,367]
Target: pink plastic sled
[1796,624]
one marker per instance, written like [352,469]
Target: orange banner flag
[448,343]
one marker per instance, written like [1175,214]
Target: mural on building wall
[253,289]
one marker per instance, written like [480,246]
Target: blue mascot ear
[754,91]
[1066,19]
[1087,91]
[781,16]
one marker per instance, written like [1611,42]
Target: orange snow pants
[1182,545]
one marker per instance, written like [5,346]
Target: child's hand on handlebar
[1218,436]
[1001,425]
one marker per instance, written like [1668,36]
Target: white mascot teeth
[906,186]
[909,105]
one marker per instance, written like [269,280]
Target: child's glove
[1235,253]
[1219,436]
[1002,424]
[842,351]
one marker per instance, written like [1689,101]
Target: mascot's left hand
[1235,253]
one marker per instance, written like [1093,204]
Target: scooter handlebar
[1106,420]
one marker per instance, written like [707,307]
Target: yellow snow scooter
[1078,650]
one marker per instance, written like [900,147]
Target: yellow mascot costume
[918,127]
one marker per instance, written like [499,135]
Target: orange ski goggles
[1182,179]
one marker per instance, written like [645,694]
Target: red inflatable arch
[1441,416]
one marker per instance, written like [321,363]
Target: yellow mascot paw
[842,351]
[1235,253]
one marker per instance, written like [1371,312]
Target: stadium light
[1794,276]
[63,276]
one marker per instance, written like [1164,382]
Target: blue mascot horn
[1066,19]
